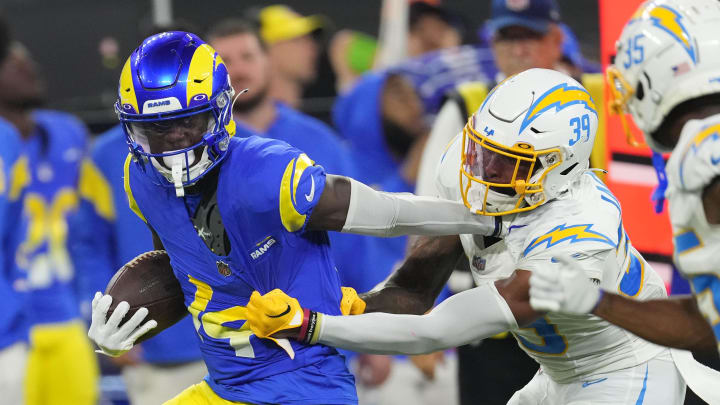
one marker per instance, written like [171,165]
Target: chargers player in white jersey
[667,76]
[524,155]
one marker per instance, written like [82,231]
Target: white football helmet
[668,53]
[530,139]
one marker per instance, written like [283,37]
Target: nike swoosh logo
[285,312]
[714,160]
[309,197]
[588,383]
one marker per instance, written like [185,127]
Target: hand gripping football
[148,281]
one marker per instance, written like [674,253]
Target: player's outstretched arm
[673,322]
[473,314]
[413,288]
[347,205]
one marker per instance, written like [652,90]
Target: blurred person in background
[572,61]
[430,27]
[382,118]
[521,35]
[292,49]
[104,235]
[257,113]
[13,319]
[525,34]
[62,368]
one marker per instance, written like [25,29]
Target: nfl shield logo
[479,263]
[223,268]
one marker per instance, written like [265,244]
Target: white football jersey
[586,223]
[694,162]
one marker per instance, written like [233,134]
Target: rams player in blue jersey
[13,320]
[61,366]
[242,214]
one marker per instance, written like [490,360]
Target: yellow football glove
[351,303]
[276,316]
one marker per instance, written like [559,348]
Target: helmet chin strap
[177,168]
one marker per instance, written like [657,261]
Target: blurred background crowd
[373,90]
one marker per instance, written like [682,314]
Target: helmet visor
[161,136]
[496,166]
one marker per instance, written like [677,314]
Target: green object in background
[361,52]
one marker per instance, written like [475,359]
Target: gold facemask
[620,94]
[489,163]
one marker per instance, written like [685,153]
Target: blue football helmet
[175,80]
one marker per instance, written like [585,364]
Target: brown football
[148,281]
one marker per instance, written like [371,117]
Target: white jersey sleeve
[694,164]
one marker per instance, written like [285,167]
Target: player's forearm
[673,322]
[412,289]
[382,214]
[465,317]
[395,300]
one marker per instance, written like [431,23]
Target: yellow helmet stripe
[200,77]
[127,88]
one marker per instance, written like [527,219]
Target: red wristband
[303,329]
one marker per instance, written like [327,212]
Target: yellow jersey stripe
[19,177]
[128,191]
[95,188]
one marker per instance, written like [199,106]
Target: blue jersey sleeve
[284,181]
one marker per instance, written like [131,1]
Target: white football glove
[563,288]
[111,339]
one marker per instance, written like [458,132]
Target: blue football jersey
[266,191]
[13,321]
[54,152]
[353,255]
